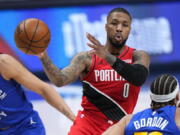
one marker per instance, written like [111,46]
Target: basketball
[32,36]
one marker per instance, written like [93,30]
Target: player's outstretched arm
[12,69]
[67,75]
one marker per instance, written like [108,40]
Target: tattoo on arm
[53,72]
[141,57]
[110,59]
[68,74]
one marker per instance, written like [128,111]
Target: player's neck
[115,51]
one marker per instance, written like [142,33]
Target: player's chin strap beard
[117,45]
[165,98]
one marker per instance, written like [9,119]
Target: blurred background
[155,29]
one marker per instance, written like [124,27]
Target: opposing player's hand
[97,47]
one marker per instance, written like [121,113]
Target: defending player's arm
[68,74]
[118,128]
[135,73]
[12,69]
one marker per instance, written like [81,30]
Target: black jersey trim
[103,102]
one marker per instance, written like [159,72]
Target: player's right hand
[41,55]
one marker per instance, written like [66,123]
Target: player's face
[118,27]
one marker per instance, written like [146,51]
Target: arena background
[155,29]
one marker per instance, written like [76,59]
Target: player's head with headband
[164,91]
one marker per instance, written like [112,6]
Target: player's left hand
[97,47]
[41,55]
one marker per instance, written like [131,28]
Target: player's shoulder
[140,52]
[5,58]
[83,56]
[84,53]
[6,62]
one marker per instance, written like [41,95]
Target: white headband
[165,98]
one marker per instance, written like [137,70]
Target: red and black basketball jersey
[104,90]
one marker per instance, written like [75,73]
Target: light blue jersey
[149,122]
[15,110]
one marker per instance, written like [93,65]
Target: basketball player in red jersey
[111,76]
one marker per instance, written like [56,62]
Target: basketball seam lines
[21,39]
[33,37]
[42,37]
[33,46]
[29,45]
[25,30]
[35,31]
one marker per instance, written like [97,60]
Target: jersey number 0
[126,90]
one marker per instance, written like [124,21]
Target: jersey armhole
[91,67]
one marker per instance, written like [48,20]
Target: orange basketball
[32,36]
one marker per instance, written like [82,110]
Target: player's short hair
[123,10]
[164,90]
